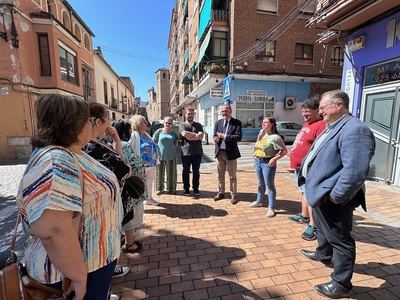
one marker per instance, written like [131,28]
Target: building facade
[158,105]
[45,48]
[264,47]
[371,73]
[114,91]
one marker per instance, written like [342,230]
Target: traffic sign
[227,88]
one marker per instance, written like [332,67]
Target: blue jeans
[266,178]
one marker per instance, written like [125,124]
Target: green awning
[203,47]
[187,78]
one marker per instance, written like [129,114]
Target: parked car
[288,130]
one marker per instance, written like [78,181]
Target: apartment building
[158,105]
[371,71]
[114,91]
[45,48]
[261,49]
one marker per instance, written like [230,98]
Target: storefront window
[217,113]
[252,114]
[207,117]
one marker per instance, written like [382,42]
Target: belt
[264,159]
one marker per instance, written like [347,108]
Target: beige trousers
[223,165]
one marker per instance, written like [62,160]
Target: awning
[187,78]
[203,47]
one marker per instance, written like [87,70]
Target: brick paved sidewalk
[201,249]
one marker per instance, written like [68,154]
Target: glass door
[382,111]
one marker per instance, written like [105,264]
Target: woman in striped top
[69,202]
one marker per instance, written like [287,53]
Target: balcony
[220,15]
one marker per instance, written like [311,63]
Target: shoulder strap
[14,237]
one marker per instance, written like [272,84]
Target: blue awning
[203,48]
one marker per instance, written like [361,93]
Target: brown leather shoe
[219,196]
[234,200]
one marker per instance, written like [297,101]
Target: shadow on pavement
[183,267]
[388,289]
[187,211]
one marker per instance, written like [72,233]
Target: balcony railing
[220,15]
[324,4]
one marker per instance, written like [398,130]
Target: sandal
[127,248]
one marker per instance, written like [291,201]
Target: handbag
[133,188]
[15,283]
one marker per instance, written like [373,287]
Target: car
[288,130]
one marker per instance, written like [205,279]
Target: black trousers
[194,161]
[334,224]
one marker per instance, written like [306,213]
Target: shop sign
[393,33]
[252,98]
[357,43]
[216,93]
[382,73]
[3,90]
[257,93]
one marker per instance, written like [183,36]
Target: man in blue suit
[334,172]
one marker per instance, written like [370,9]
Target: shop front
[372,79]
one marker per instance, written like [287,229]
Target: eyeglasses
[323,108]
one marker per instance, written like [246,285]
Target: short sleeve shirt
[190,148]
[166,144]
[52,181]
[268,146]
[148,150]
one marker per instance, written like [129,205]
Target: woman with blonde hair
[167,140]
[268,149]
[144,147]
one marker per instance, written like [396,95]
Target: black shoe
[219,196]
[332,290]
[313,256]
[186,193]
[234,200]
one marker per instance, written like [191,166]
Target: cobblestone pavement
[202,249]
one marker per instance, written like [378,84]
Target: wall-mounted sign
[251,98]
[227,88]
[357,43]
[216,93]
[393,33]
[382,73]
[349,84]
[4,90]
[257,92]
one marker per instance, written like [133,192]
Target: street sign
[227,88]
[216,93]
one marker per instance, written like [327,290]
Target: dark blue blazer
[340,165]
[233,136]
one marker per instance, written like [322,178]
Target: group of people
[83,193]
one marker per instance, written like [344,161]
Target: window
[86,41]
[267,52]
[252,113]
[65,20]
[44,54]
[37,2]
[217,114]
[207,117]
[68,66]
[310,8]
[77,32]
[220,44]
[87,83]
[270,6]
[105,91]
[337,56]
[51,8]
[304,53]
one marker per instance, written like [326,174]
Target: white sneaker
[114,297]
[120,271]
[255,204]
[271,213]
[151,202]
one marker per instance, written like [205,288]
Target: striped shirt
[52,180]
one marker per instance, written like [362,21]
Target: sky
[132,34]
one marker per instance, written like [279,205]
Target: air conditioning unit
[290,103]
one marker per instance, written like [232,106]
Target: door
[382,112]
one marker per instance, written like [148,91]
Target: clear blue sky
[133,35]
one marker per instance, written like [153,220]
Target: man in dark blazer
[227,132]
[334,172]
